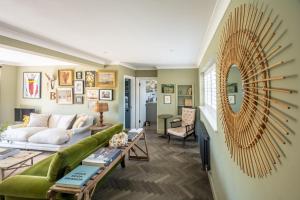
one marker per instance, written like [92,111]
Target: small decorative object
[188,102]
[167,99]
[232,88]
[90,78]
[78,87]
[32,85]
[231,99]
[118,140]
[26,119]
[167,88]
[64,95]
[106,95]
[100,108]
[106,79]
[52,95]
[78,75]
[65,77]
[189,91]
[92,94]
[50,81]
[255,134]
[78,99]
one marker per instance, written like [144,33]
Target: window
[210,87]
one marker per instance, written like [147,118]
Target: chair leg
[184,141]
[195,136]
[169,138]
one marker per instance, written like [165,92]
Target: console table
[86,192]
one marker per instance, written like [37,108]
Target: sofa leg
[123,162]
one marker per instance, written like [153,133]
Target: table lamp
[100,108]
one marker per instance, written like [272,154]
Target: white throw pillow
[53,120]
[65,121]
[56,136]
[22,134]
[38,120]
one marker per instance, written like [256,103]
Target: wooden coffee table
[17,161]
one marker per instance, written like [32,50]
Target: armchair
[185,126]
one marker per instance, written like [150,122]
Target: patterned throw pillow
[119,140]
[38,120]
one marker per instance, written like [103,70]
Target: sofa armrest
[25,186]
[15,126]
[80,130]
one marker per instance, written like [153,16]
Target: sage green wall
[146,73]
[229,182]
[45,105]
[177,77]
[8,86]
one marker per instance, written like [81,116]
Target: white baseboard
[212,185]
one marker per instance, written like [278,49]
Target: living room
[197,99]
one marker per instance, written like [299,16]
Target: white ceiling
[140,33]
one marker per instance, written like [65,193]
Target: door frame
[132,99]
[137,101]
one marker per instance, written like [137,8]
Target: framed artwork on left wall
[32,85]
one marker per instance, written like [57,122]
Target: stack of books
[78,177]
[133,133]
[6,152]
[103,157]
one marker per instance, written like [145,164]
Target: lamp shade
[101,107]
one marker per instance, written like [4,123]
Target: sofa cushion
[61,121]
[38,120]
[22,134]
[50,136]
[56,168]
[80,121]
[39,169]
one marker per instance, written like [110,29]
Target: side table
[165,117]
[95,129]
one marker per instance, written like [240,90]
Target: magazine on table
[103,157]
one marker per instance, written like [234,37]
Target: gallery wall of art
[72,89]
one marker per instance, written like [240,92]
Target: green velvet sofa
[35,181]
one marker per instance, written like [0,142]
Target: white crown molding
[176,67]
[31,38]
[216,17]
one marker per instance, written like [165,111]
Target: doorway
[146,102]
[129,102]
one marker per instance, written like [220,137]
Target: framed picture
[92,94]
[64,95]
[167,88]
[231,99]
[32,85]
[106,79]
[79,75]
[78,87]
[106,95]
[167,99]
[78,99]
[90,78]
[65,77]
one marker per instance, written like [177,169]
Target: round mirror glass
[235,93]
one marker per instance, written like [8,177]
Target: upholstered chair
[185,126]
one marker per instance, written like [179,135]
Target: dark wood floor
[173,172]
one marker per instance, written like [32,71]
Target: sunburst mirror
[254,122]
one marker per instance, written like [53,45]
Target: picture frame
[78,100]
[79,75]
[106,95]
[78,87]
[32,85]
[64,96]
[231,99]
[90,78]
[92,94]
[65,77]
[106,79]
[168,88]
[167,99]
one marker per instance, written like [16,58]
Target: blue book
[78,177]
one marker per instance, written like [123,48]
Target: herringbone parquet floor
[173,172]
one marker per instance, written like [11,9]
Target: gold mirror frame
[254,134]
